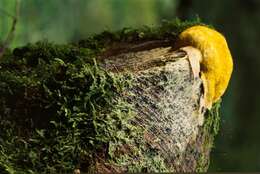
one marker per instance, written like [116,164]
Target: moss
[59,108]
[209,130]
[168,30]
[67,112]
[147,158]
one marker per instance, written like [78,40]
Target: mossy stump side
[116,102]
[165,97]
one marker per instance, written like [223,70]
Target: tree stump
[116,102]
[165,96]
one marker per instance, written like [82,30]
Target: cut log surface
[166,97]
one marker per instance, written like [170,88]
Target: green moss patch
[209,130]
[59,110]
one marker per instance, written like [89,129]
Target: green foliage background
[64,21]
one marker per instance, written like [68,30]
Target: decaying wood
[166,98]
[142,60]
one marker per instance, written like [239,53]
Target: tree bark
[166,99]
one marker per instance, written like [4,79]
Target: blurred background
[238,143]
